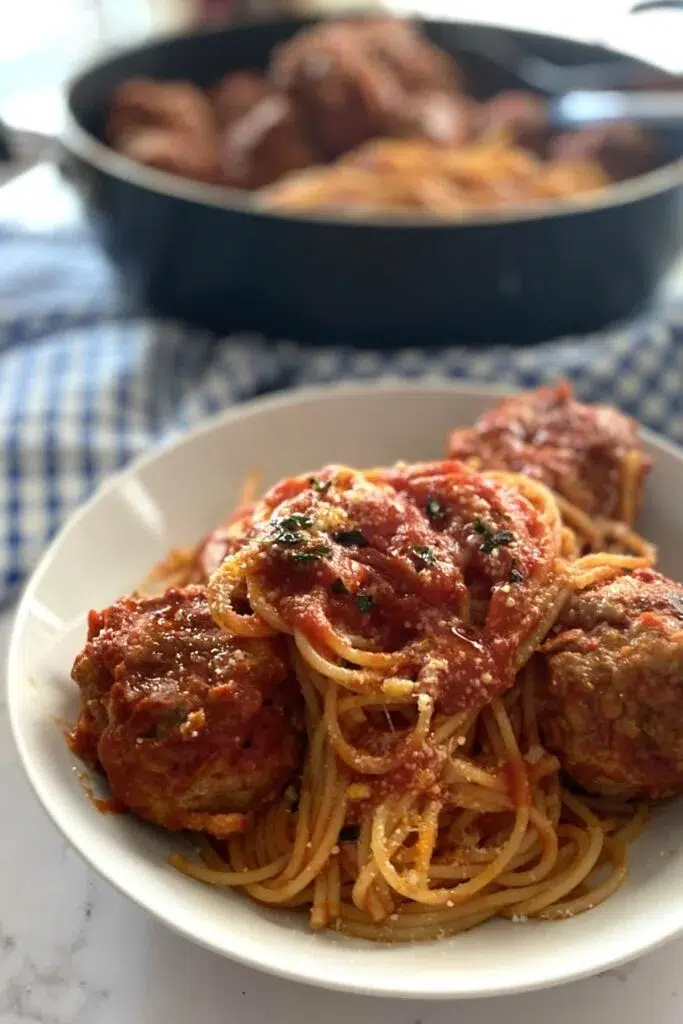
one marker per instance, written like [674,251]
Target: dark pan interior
[205,57]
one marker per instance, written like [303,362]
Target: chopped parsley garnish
[365,603]
[339,587]
[321,486]
[313,554]
[350,539]
[288,530]
[492,538]
[497,540]
[423,556]
[435,510]
[295,522]
[515,575]
[288,538]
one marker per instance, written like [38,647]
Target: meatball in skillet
[167,125]
[358,80]
[266,142]
[622,150]
[236,94]
[519,115]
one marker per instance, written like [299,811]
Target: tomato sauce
[431,563]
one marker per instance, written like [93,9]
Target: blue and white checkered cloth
[86,384]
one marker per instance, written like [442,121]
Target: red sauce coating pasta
[432,570]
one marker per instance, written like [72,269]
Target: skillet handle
[6,146]
[21,150]
[656,5]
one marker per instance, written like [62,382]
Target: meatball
[611,704]
[582,452]
[168,125]
[236,94]
[621,150]
[353,80]
[189,724]
[265,143]
[521,116]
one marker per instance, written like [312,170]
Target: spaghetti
[366,665]
[441,181]
[591,457]
[413,601]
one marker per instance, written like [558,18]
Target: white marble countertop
[73,951]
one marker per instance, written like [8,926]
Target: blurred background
[43,42]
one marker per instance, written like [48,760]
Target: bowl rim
[107,868]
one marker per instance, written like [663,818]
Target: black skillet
[204,254]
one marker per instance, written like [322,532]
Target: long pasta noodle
[495,832]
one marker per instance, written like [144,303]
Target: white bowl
[170,498]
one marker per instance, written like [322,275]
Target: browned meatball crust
[579,451]
[266,142]
[236,94]
[188,723]
[622,150]
[167,125]
[611,705]
[521,116]
[354,80]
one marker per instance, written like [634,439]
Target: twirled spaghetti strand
[426,802]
